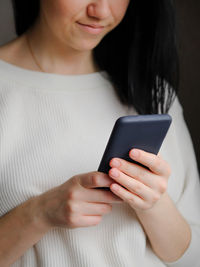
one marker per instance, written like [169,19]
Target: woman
[63,85]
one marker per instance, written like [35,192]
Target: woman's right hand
[76,203]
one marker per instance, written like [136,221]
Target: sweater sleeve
[189,202]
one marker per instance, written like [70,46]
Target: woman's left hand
[143,187]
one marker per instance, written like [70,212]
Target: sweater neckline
[52,81]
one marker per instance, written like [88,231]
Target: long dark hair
[140,54]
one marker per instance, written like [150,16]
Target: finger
[100,196]
[86,221]
[153,162]
[93,195]
[133,200]
[159,155]
[86,209]
[95,209]
[134,186]
[137,172]
[94,179]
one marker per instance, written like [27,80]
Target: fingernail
[134,153]
[115,163]
[114,173]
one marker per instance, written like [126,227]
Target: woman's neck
[55,56]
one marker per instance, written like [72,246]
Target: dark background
[188,26]
[188,22]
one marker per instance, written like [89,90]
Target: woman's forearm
[168,232]
[20,229]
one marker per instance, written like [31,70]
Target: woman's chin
[87,46]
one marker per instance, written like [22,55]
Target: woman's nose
[99,9]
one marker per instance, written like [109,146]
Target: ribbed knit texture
[53,127]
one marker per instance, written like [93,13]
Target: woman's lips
[91,29]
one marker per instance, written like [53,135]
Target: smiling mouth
[93,25]
[93,29]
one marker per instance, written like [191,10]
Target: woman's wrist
[164,225]
[31,214]
[24,226]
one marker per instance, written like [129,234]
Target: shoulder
[13,51]
[8,51]
[176,109]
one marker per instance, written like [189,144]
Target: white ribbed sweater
[53,127]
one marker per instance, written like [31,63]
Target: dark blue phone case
[145,132]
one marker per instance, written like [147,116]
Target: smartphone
[145,132]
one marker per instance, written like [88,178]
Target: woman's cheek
[117,12]
[56,9]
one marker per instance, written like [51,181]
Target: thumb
[95,179]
